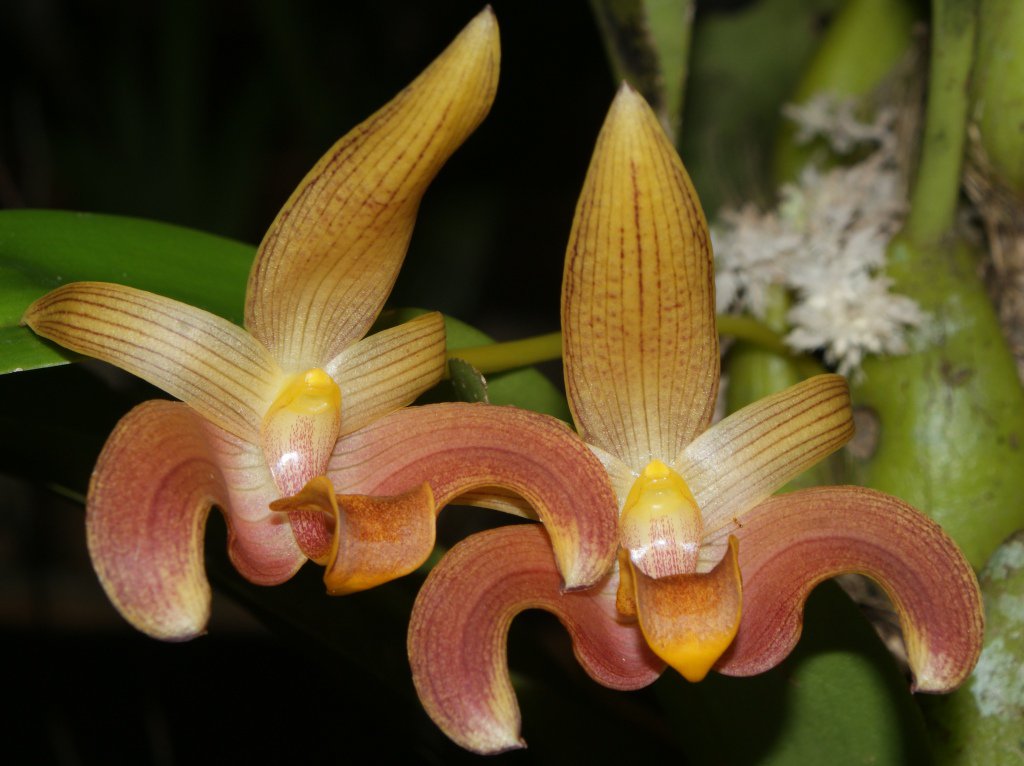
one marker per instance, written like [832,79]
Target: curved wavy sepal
[373,540]
[459,447]
[198,357]
[329,260]
[459,629]
[157,477]
[389,369]
[638,302]
[792,542]
[690,619]
[743,459]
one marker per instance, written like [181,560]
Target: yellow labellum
[300,428]
[661,523]
[310,393]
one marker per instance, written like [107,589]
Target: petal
[746,457]
[375,539]
[690,619]
[792,542]
[638,302]
[459,629]
[202,359]
[389,369]
[159,473]
[261,544]
[330,258]
[461,447]
[498,499]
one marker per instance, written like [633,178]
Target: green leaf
[43,249]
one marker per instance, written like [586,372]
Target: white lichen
[1008,558]
[998,683]
[825,244]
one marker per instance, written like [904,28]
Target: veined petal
[498,499]
[375,539]
[459,629]
[330,258]
[746,457]
[202,359]
[389,369]
[620,476]
[458,447]
[638,302]
[792,542]
[156,479]
[690,619]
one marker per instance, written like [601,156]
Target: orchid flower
[713,571]
[264,410]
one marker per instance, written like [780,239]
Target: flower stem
[936,190]
[748,329]
[498,357]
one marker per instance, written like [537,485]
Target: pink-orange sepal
[459,628]
[160,472]
[792,542]
[459,447]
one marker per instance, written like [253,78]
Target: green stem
[936,191]
[748,329]
[66,492]
[498,357]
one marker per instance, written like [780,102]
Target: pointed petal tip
[627,92]
[479,38]
[628,104]
[484,23]
[345,230]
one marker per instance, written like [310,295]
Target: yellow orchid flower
[713,571]
[265,411]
